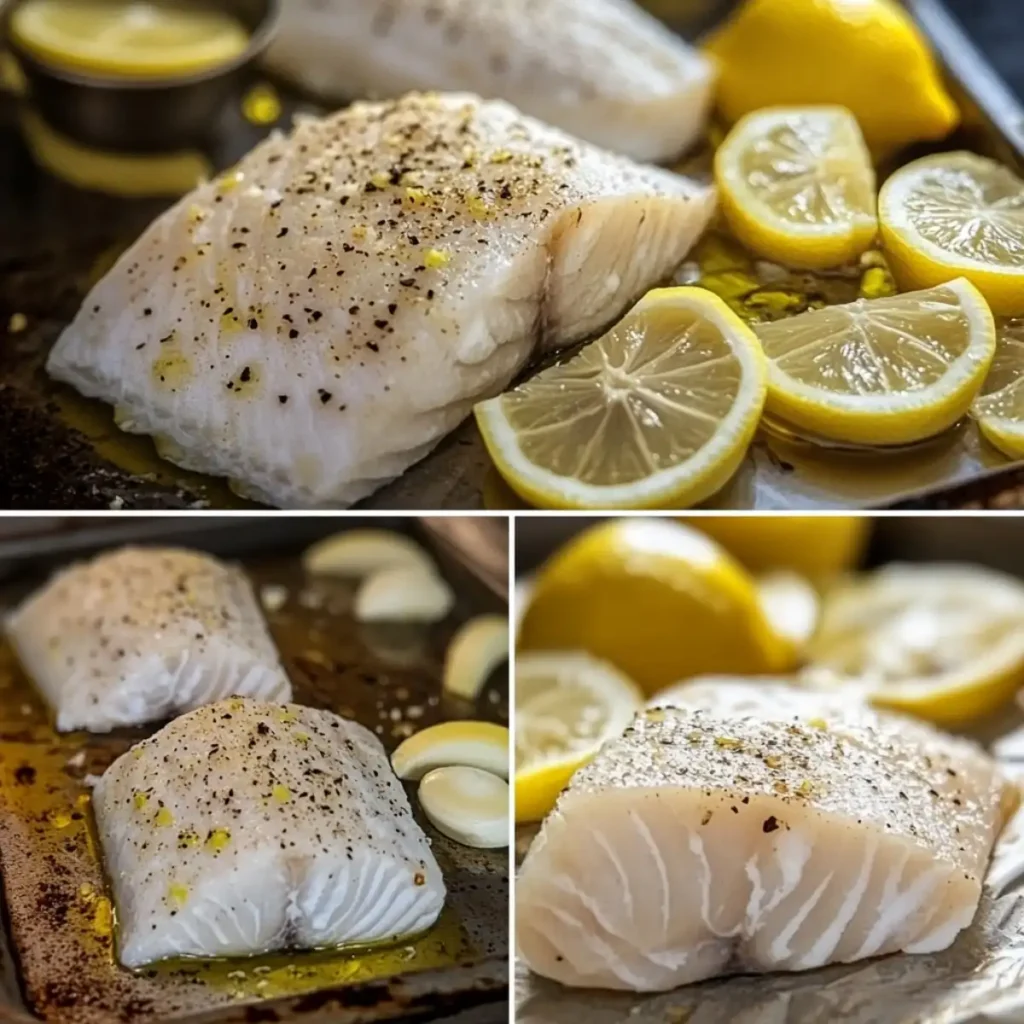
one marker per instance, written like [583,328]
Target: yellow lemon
[482,745]
[797,186]
[865,55]
[813,546]
[882,371]
[656,599]
[999,409]
[658,413]
[944,642]
[567,704]
[132,39]
[957,215]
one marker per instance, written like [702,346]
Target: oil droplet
[17,323]
[103,918]
[60,819]
[261,105]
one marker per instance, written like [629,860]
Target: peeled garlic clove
[476,650]
[355,554]
[482,745]
[467,805]
[404,594]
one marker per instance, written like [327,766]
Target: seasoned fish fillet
[701,844]
[140,634]
[313,324]
[246,827]
[604,70]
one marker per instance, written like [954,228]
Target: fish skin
[605,71]
[701,844]
[246,827]
[140,634]
[310,335]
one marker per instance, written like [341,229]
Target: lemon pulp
[128,38]
[957,215]
[657,413]
[797,185]
[999,410]
[881,371]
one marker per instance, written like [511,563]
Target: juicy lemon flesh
[567,704]
[999,409]
[645,399]
[957,214]
[797,186]
[948,649]
[813,546]
[128,37]
[865,55]
[882,371]
[657,600]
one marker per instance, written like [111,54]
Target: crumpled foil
[978,980]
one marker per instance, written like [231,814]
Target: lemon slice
[480,745]
[797,185]
[658,600]
[119,38]
[567,705]
[957,215]
[881,371]
[657,413]
[945,642]
[999,409]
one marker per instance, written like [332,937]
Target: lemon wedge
[476,650]
[480,745]
[567,705]
[999,409]
[865,55]
[658,600]
[881,371]
[944,642]
[797,186]
[468,805]
[814,546]
[657,413]
[129,39]
[957,215]
[791,606]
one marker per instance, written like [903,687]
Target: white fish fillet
[247,827]
[310,330]
[140,634]
[703,843]
[604,70]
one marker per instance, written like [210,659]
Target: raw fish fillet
[702,843]
[603,70]
[247,827]
[141,634]
[314,323]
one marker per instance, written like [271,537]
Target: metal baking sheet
[59,450]
[56,958]
[979,980]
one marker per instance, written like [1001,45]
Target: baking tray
[58,450]
[979,980]
[55,949]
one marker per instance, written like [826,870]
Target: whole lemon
[866,55]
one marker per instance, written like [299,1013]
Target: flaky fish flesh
[140,634]
[315,322]
[246,827]
[701,844]
[604,70]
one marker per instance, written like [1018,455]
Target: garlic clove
[355,554]
[403,594]
[468,805]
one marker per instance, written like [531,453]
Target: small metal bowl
[144,115]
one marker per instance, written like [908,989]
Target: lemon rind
[687,483]
[894,419]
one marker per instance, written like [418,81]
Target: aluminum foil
[978,980]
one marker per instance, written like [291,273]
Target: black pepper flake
[325,396]
[770,824]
